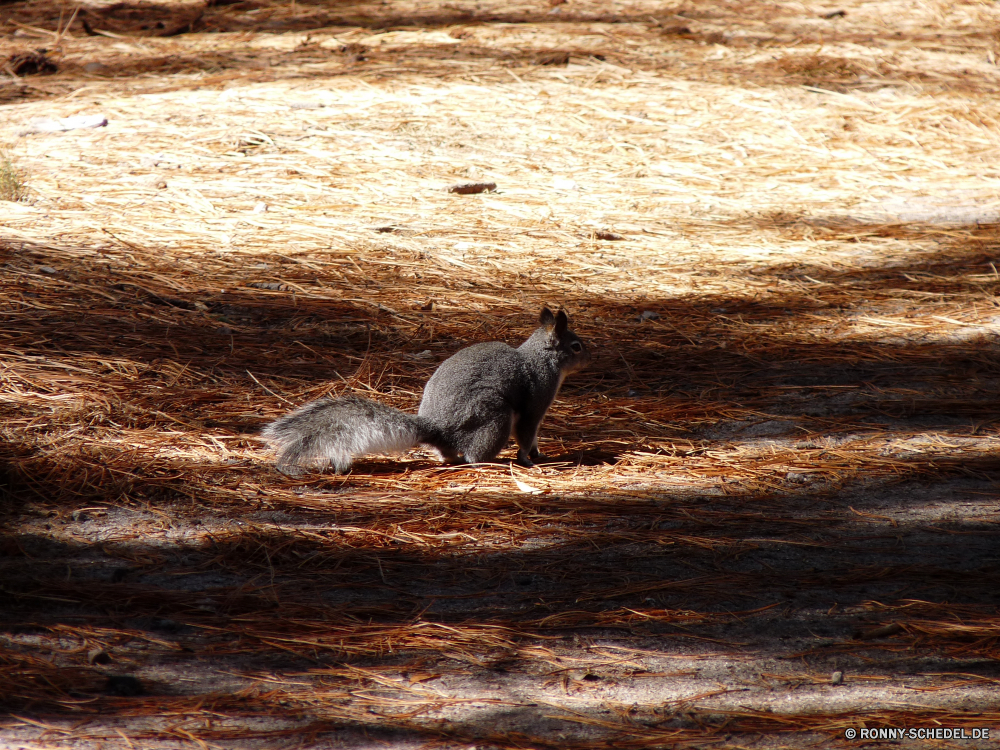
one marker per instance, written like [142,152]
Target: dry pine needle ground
[775,224]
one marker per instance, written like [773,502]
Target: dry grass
[12,184]
[808,204]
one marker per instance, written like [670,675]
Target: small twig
[278,396]
[63,31]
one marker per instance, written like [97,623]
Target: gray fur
[471,406]
[334,431]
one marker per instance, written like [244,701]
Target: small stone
[648,315]
[47,269]
[837,678]
[471,188]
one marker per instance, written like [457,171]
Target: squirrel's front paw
[536,455]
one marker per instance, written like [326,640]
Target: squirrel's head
[572,353]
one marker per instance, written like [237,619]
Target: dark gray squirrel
[471,406]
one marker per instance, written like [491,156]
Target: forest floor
[771,510]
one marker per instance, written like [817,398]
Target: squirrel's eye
[576,347]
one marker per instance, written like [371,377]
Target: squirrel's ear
[547,319]
[562,323]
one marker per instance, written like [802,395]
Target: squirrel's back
[475,383]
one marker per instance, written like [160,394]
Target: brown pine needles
[775,226]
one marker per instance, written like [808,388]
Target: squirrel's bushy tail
[336,430]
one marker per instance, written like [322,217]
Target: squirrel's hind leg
[484,442]
[449,456]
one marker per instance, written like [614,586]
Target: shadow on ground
[673,41]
